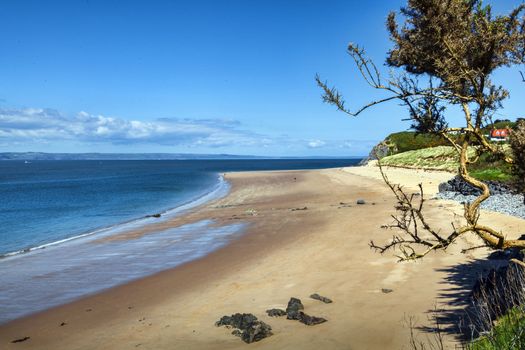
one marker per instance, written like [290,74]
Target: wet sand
[286,251]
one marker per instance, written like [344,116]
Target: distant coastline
[145,156]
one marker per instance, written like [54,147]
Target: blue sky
[195,76]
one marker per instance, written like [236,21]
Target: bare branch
[456,47]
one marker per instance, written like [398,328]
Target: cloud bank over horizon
[47,126]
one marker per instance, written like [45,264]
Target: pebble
[508,203]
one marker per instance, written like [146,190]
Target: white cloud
[52,128]
[47,124]
[316,143]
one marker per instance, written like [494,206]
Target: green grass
[433,158]
[445,158]
[492,175]
[404,141]
[490,167]
[508,333]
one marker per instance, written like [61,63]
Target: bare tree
[444,54]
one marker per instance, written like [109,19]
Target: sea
[53,215]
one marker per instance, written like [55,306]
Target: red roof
[499,133]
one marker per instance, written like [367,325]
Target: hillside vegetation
[404,141]
[445,158]
[433,158]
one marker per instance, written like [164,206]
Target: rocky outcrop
[382,149]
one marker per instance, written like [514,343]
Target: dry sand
[283,253]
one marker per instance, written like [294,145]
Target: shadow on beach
[456,314]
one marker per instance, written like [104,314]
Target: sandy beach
[305,234]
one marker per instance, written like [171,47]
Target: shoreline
[190,202]
[76,266]
[219,190]
[284,253]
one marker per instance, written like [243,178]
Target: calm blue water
[47,201]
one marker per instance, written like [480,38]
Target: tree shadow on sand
[459,315]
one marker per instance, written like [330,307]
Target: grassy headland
[410,150]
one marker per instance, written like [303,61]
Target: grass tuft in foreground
[508,333]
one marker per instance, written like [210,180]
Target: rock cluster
[250,329]
[502,198]
[247,327]
[458,185]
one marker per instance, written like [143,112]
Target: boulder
[293,308]
[248,328]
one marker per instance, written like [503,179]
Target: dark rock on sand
[293,308]
[309,320]
[293,312]
[361,201]
[276,312]
[249,329]
[236,321]
[321,298]
[296,209]
[21,340]
[387,290]
[257,331]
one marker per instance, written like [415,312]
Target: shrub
[517,144]
[409,141]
